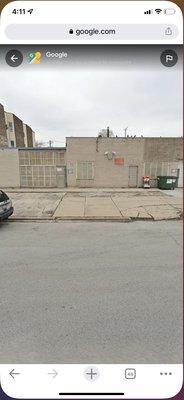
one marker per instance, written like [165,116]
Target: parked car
[6,208]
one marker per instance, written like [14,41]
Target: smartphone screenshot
[91,194]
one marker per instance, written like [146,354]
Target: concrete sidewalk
[97,204]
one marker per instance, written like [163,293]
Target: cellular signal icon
[148,12]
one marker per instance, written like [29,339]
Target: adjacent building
[14,132]
[3,131]
[29,136]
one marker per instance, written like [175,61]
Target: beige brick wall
[163,149]
[106,173]
[9,168]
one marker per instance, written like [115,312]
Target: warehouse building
[122,162]
[90,162]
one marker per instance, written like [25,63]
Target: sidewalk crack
[58,204]
[117,207]
[85,205]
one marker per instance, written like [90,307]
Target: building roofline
[123,137]
[40,148]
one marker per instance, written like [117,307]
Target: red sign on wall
[119,161]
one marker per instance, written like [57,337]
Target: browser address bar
[95,32]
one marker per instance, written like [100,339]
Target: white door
[133,176]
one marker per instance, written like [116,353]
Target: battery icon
[169,11]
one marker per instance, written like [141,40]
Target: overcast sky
[78,102]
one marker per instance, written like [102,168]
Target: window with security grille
[58,158]
[24,158]
[38,168]
[42,157]
[38,176]
[85,170]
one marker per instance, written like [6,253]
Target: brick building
[3,133]
[14,132]
[29,136]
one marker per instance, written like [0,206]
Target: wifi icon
[158,10]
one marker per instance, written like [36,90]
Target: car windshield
[3,196]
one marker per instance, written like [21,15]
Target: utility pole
[126,131]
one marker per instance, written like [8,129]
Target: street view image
[91,194]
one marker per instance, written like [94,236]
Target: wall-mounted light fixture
[110,154]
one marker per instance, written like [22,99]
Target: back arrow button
[14,58]
[12,373]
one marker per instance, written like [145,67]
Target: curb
[90,219]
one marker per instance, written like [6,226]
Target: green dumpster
[167,182]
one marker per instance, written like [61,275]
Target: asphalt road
[90,292]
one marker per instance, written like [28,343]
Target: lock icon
[71,31]
[168,31]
